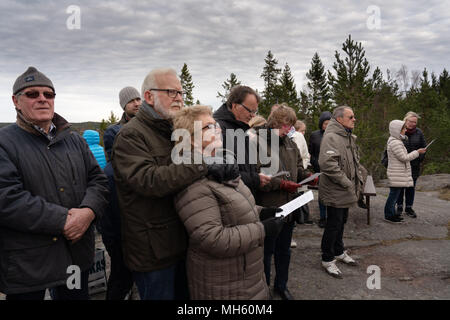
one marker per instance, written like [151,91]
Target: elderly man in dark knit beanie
[51,190]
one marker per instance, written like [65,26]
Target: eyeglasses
[172,93]
[250,111]
[214,126]
[35,94]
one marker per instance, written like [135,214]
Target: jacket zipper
[239,191]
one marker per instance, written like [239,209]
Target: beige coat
[341,181]
[225,252]
[399,168]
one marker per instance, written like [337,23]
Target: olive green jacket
[341,181]
[153,236]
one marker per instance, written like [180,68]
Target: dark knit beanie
[31,78]
[127,94]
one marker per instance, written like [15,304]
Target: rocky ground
[413,257]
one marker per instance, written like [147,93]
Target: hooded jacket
[315,139]
[230,126]
[226,239]
[341,181]
[40,180]
[93,140]
[399,167]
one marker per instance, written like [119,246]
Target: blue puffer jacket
[93,139]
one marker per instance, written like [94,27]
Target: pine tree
[319,93]
[270,76]
[227,85]
[351,85]
[287,91]
[112,118]
[187,85]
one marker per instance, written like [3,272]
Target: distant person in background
[255,122]
[298,136]
[314,148]
[399,168]
[415,141]
[130,101]
[92,138]
[120,279]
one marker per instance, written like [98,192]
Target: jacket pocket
[167,240]
[36,266]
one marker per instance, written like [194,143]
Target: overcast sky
[119,42]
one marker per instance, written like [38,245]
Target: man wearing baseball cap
[51,190]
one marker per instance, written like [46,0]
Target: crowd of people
[205,229]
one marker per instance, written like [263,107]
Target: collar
[149,109]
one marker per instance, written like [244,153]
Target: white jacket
[300,141]
[399,168]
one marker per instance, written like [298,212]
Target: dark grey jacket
[39,181]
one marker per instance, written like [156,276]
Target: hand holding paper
[296,203]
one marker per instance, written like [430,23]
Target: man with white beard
[153,237]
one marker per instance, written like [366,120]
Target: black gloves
[223,172]
[273,226]
[268,212]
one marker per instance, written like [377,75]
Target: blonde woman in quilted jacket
[399,168]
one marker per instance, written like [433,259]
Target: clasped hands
[77,222]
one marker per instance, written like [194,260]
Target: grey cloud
[120,41]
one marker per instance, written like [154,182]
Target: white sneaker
[345,258]
[332,269]
[293,244]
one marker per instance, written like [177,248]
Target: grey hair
[150,80]
[411,114]
[339,111]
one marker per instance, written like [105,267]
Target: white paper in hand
[296,203]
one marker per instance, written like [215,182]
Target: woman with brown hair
[280,190]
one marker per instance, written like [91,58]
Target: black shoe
[322,223]
[399,217]
[393,219]
[284,294]
[410,213]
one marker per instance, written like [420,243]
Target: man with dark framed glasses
[51,190]
[233,117]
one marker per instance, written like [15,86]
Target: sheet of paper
[430,143]
[311,178]
[296,203]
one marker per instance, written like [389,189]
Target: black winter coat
[415,141]
[315,139]
[109,224]
[248,171]
[40,180]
